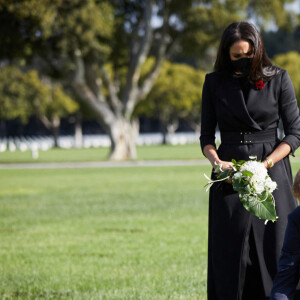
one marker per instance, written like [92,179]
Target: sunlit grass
[155,152]
[130,233]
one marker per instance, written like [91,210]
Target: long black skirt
[251,279]
[231,227]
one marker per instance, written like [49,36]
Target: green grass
[129,233]
[119,233]
[157,152]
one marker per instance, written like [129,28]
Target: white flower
[237,175]
[253,184]
[271,185]
[255,167]
[259,187]
[260,180]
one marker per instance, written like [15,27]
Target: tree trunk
[55,134]
[163,128]
[172,127]
[123,136]
[55,126]
[78,131]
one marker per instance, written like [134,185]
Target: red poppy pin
[259,84]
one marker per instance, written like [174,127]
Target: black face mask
[242,65]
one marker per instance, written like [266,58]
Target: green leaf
[239,164]
[262,207]
[247,173]
[238,186]
[224,174]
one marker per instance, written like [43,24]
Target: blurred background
[86,81]
[116,74]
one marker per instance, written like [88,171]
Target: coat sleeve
[208,117]
[289,113]
[287,277]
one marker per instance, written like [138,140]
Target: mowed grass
[120,233]
[155,152]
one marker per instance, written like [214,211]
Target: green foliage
[84,25]
[54,30]
[23,94]
[12,95]
[56,103]
[265,11]
[71,41]
[291,62]
[263,206]
[175,94]
[205,23]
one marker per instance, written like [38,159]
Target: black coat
[288,273]
[223,104]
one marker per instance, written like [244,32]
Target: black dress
[242,251]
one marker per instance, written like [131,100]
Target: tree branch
[163,54]
[135,38]
[93,81]
[113,96]
[130,89]
[160,57]
[102,109]
[45,121]
[79,74]
[96,102]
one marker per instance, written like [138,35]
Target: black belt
[248,137]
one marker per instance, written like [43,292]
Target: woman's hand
[211,153]
[265,164]
[224,165]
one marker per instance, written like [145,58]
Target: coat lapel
[234,99]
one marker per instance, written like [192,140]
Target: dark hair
[296,186]
[262,68]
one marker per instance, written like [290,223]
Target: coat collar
[234,98]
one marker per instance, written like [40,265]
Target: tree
[24,94]
[74,40]
[176,94]
[281,41]
[13,93]
[52,106]
[291,62]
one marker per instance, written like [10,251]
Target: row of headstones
[90,141]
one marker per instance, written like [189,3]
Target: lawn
[119,233]
[130,233]
[156,152]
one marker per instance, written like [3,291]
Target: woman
[246,96]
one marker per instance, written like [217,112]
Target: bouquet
[254,186]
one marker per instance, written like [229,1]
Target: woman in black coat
[246,97]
